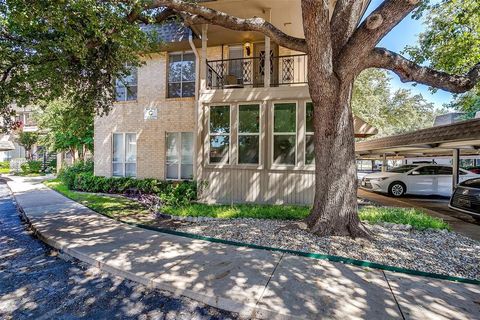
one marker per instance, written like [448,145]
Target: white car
[424,179]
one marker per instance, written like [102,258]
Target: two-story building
[230,109]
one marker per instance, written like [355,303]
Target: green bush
[31,166]
[80,177]
[4,164]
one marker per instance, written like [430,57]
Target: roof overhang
[6,145]
[430,142]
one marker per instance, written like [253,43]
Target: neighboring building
[26,123]
[207,110]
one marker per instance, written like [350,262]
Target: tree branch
[231,22]
[379,23]
[409,71]
[344,21]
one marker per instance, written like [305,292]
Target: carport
[455,140]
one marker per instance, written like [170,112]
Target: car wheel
[397,189]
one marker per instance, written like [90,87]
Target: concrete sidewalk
[256,283]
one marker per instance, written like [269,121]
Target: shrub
[4,164]
[80,177]
[31,166]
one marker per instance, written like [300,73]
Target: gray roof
[6,145]
[169,32]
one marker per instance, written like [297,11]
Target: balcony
[250,72]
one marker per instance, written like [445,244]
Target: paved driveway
[37,284]
[432,205]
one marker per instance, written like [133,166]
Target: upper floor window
[309,144]
[249,134]
[124,160]
[126,86]
[219,129]
[181,75]
[284,133]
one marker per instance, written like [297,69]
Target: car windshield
[472,183]
[403,169]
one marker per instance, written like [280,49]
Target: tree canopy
[451,42]
[391,112]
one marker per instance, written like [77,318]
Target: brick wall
[174,115]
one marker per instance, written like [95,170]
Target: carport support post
[384,163]
[456,165]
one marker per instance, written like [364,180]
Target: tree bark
[335,207]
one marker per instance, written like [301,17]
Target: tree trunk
[335,204]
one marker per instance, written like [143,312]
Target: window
[445,170]
[284,133]
[126,87]
[426,171]
[219,134]
[181,75]
[124,160]
[309,143]
[249,134]
[179,155]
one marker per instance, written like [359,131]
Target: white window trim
[124,162]
[307,133]
[122,85]
[229,134]
[273,134]
[180,53]
[179,153]
[259,134]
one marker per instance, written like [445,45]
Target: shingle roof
[169,32]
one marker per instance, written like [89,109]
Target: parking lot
[432,205]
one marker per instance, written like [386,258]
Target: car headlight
[379,179]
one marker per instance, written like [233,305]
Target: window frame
[179,153]
[229,134]
[181,53]
[126,87]
[273,134]
[307,133]
[124,162]
[259,134]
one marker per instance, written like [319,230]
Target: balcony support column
[266,75]
[203,59]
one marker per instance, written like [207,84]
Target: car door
[444,178]
[422,181]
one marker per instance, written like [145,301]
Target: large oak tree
[94,44]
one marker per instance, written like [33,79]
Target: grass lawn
[121,208]
[4,170]
[112,206]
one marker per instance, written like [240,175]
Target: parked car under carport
[466,198]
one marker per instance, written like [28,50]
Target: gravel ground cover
[35,283]
[435,251]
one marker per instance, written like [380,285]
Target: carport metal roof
[435,141]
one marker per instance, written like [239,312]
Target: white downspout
[196,103]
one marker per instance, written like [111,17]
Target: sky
[406,33]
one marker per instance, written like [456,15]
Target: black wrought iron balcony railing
[250,72]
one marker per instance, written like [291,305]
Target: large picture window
[219,129]
[284,133]
[124,160]
[181,75]
[309,143]
[249,134]
[179,155]
[126,87]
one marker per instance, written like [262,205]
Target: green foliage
[4,166]
[416,218]
[390,112]
[451,43]
[27,139]
[32,166]
[80,177]
[67,127]
[112,206]
[71,48]
[413,217]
